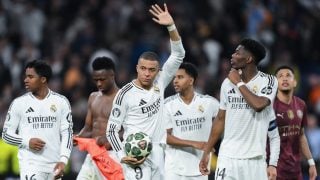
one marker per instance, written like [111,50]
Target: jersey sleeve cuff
[272,163]
[25,143]
[120,155]
[64,159]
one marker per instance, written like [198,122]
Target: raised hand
[161,16]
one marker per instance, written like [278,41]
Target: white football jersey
[138,109]
[245,131]
[189,122]
[48,119]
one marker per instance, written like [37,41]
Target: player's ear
[249,59]
[191,81]
[43,79]
[295,83]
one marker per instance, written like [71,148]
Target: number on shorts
[139,173]
[220,173]
[31,177]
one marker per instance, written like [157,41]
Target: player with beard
[245,115]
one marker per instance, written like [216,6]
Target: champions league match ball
[138,145]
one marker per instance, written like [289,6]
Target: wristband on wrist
[239,84]
[311,162]
[171,27]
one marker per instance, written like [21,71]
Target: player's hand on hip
[161,16]
[132,161]
[312,172]
[234,76]
[203,165]
[272,173]
[36,144]
[59,170]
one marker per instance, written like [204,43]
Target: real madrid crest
[290,114]
[156,89]
[53,108]
[255,89]
[200,108]
[299,113]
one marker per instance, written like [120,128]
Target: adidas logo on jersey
[30,110]
[232,91]
[142,102]
[178,113]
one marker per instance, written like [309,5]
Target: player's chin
[177,89]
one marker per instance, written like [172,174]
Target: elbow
[258,107]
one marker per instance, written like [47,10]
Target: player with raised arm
[138,106]
[291,113]
[245,113]
[189,118]
[99,108]
[40,124]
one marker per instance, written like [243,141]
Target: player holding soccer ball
[138,145]
[138,106]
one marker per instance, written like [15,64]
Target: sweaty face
[32,80]
[147,71]
[103,79]
[182,81]
[286,80]
[240,58]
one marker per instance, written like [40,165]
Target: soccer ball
[138,145]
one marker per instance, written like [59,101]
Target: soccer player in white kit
[189,118]
[40,124]
[245,113]
[138,106]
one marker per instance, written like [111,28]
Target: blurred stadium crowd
[70,33]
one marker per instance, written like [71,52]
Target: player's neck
[248,73]
[139,84]
[285,97]
[187,96]
[114,89]
[41,93]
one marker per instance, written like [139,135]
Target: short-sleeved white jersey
[245,131]
[48,119]
[189,122]
[138,109]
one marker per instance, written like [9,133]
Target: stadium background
[70,33]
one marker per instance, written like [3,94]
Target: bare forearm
[216,132]
[174,34]
[174,141]
[305,147]
[256,102]
[85,132]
